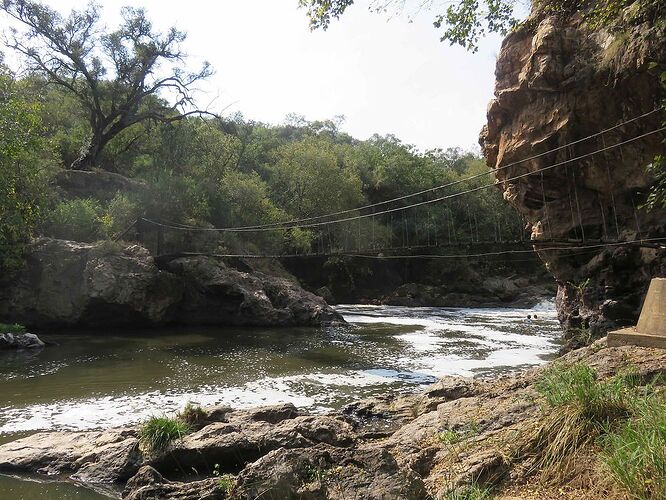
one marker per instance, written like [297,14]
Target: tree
[25,163]
[464,22]
[117,76]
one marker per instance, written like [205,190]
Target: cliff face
[559,80]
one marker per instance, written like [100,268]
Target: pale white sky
[385,76]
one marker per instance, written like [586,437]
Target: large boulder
[215,293]
[66,283]
[72,284]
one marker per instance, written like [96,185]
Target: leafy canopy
[464,22]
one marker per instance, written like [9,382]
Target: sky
[385,74]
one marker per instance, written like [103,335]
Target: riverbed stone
[148,484]
[98,457]
[20,341]
[329,473]
[245,438]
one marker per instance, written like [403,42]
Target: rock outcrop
[20,340]
[70,284]
[560,78]
[458,432]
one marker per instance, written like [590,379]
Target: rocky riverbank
[108,284]
[459,432]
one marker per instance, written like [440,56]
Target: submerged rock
[66,283]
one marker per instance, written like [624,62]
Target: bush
[77,219]
[13,328]
[157,433]
[120,214]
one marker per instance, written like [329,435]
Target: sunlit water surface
[92,380]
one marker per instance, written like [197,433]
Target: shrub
[157,433]
[120,214]
[77,219]
[11,328]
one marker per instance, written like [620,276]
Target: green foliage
[78,219]
[577,385]
[635,454]
[112,74]
[157,433]
[308,178]
[225,482]
[120,213]
[11,328]
[469,492]
[657,196]
[464,21]
[623,413]
[25,168]
[449,437]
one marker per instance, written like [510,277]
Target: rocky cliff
[71,284]
[561,77]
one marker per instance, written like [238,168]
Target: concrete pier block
[651,328]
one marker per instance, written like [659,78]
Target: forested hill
[225,172]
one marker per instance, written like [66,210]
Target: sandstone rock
[113,284]
[245,436]
[148,484]
[96,457]
[329,473]
[20,341]
[560,79]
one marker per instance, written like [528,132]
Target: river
[92,380]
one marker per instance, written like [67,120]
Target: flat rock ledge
[388,447]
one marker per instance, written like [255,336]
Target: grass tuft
[157,433]
[635,454]
[193,415]
[469,492]
[585,408]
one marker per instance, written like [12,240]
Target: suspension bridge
[411,226]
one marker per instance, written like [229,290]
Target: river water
[91,380]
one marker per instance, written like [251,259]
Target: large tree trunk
[90,158]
